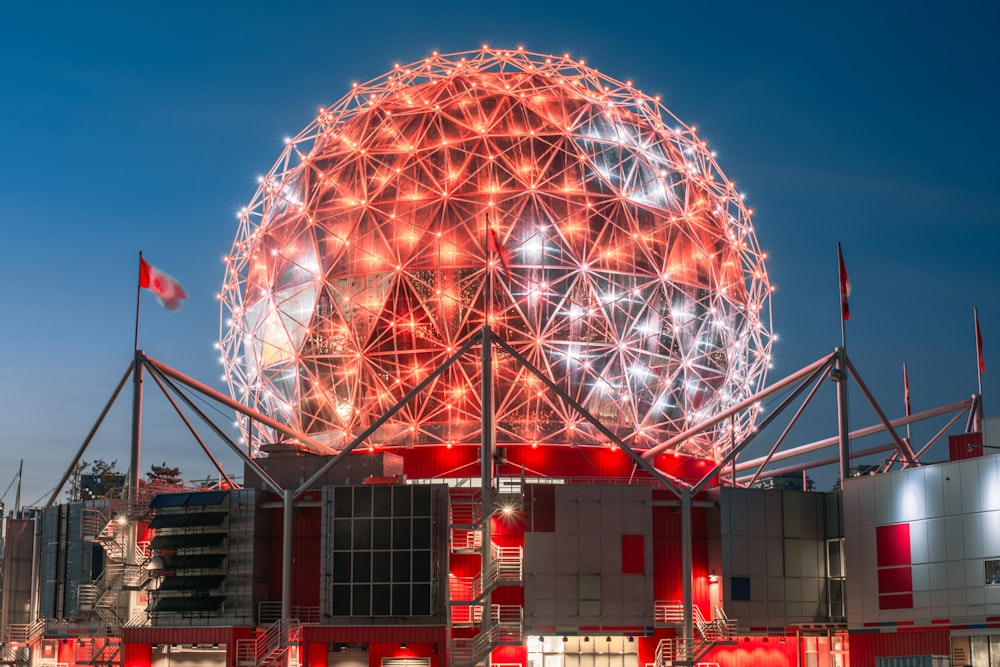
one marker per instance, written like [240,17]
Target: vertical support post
[286,560]
[486,470]
[844,429]
[133,468]
[686,571]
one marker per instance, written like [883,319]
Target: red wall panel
[865,647]
[893,544]
[633,554]
[965,446]
[895,580]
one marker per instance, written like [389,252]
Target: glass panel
[833,563]
[992,572]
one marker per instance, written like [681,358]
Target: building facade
[393,564]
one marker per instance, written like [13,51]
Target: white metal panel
[740,563]
[757,565]
[776,565]
[567,552]
[590,553]
[918,542]
[975,596]
[956,598]
[793,589]
[869,548]
[775,522]
[737,508]
[975,574]
[908,495]
[955,540]
[921,599]
[937,574]
[989,483]
[540,552]
[590,516]
[757,511]
[971,528]
[611,507]
[567,510]
[934,490]
[812,590]
[543,586]
[990,531]
[775,588]
[939,599]
[937,536]
[956,574]
[810,559]
[921,577]
[611,551]
[866,500]
[952,489]
[849,496]
[971,499]
[883,498]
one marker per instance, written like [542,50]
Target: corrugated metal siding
[384,641]
[137,655]
[667,584]
[963,446]
[865,647]
[756,653]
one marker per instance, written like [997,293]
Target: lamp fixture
[712,577]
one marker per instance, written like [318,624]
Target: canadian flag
[845,287]
[167,290]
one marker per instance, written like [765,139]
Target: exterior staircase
[100,650]
[708,633]
[469,596]
[18,640]
[269,647]
[125,570]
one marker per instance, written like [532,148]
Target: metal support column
[486,469]
[286,559]
[686,571]
[133,470]
[839,375]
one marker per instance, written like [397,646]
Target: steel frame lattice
[590,227]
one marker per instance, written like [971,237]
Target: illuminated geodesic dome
[588,226]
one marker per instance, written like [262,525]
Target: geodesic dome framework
[590,228]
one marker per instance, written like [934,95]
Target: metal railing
[261,649]
[269,611]
[25,634]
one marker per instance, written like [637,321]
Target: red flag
[906,390]
[845,286]
[979,341]
[494,246]
[167,290]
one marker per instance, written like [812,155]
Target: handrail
[276,638]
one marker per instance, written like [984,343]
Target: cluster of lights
[588,226]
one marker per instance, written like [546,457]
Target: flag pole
[843,417]
[980,366]
[906,398]
[138,300]
[133,473]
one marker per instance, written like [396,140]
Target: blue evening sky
[131,126]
